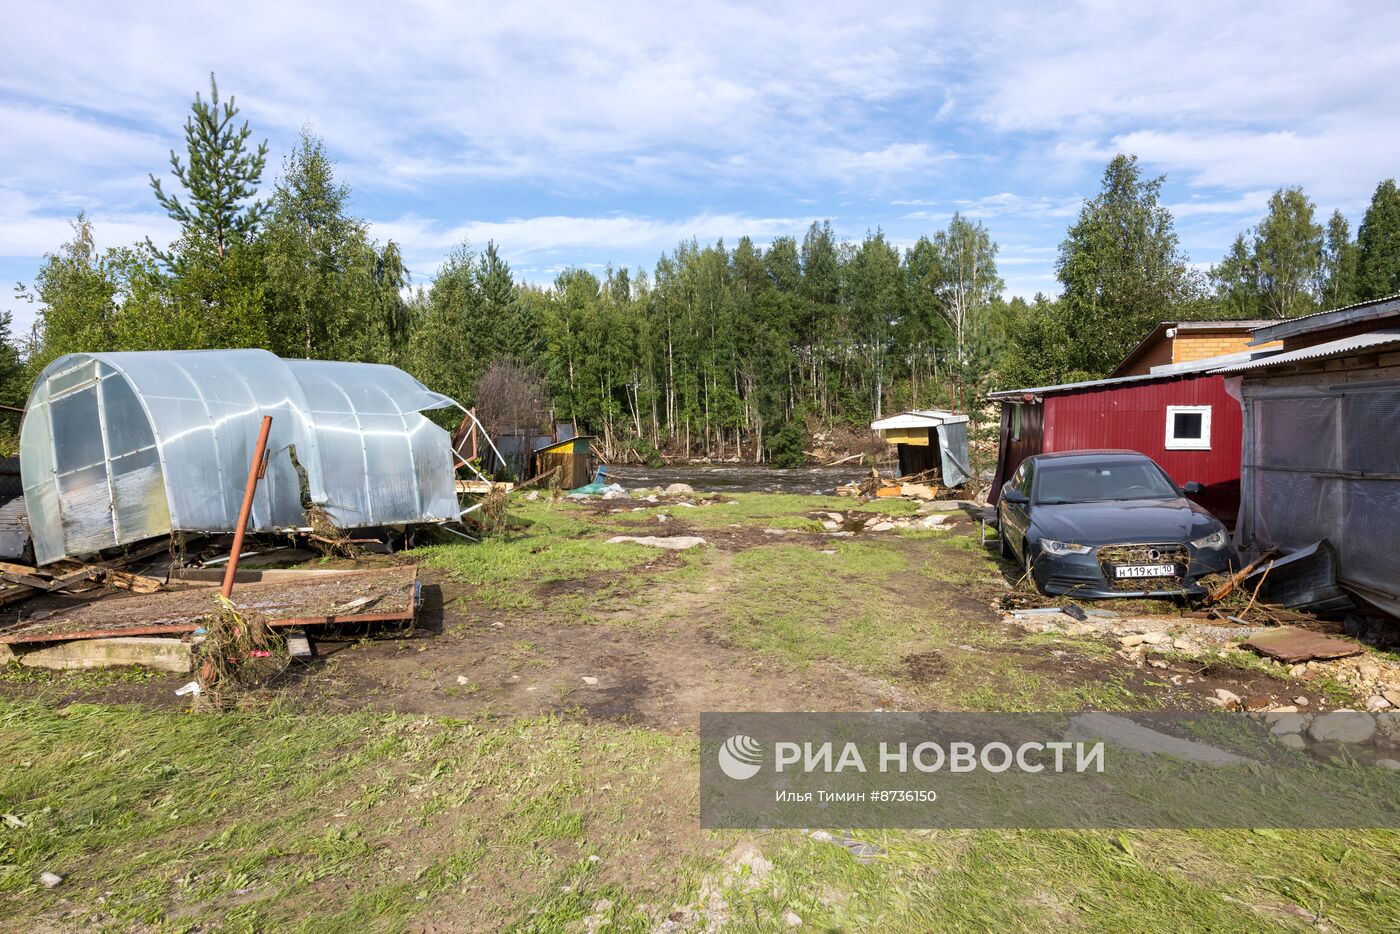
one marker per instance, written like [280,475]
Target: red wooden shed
[1179,415]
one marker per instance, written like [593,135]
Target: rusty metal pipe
[255,471]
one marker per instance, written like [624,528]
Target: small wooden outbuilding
[572,457]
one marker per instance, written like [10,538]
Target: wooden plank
[136,583]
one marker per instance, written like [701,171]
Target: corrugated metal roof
[1168,371]
[918,418]
[1336,348]
[1319,320]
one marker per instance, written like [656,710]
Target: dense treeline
[729,350]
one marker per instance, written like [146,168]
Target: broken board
[1292,645]
[284,598]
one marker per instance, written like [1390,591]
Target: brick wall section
[1190,346]
[1156,355]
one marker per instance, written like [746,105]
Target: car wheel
[1028,563]
[1003,546]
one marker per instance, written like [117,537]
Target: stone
[1293,741]
[1392,695]
[1377,703]
[836,517]
[680,489]
[1343,726]
[1186,646]
[830,525]
[1370,671]
[1301,701]
[162,654]
[1227,698]
[1392,764]
[792,919]
[671,542]
[590,680]
[1284,723]
[50,880]
[1297,670]
[749,856]
[1121,731]
[872,521]
[882,526]
[463,679]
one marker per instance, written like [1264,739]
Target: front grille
[1173,553]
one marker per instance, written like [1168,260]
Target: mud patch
[925,667]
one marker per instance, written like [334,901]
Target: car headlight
[1063,548]
[1212,542]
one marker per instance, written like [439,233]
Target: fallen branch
[1226,588]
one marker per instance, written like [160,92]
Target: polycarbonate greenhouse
[120,447]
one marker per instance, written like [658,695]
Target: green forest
[720,349]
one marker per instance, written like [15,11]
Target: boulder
[1343,726]
[680,489]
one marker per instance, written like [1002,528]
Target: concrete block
[148,651]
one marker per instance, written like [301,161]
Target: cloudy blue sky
[585,134]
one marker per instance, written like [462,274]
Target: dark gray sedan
[1108,524]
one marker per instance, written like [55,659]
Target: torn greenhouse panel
[120,447]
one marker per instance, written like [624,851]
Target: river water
[738,478]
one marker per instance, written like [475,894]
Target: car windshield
[1101,482]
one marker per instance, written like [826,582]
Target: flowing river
[738,478]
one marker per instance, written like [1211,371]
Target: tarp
[1322,461]
[120,447]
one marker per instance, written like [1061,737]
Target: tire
[1028,565]
[1003,546]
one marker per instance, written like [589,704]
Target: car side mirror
[1013,495]
[1192,488]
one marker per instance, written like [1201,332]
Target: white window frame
[1202,443]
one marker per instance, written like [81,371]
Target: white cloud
[532,241]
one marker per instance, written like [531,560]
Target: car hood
[1152,520]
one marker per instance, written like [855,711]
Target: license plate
[1145,570]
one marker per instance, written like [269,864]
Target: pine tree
[1378,245]
[221,175]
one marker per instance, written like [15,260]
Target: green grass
[832,606]
[282,821]
[504,571]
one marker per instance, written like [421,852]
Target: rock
[463,679]
[1284,723]
[672,542]
[1286,708]
[821,836]
[749,856]
[1157,663]
[792,919]
[1343,726]
[50,880]
[1392,695]
[1370,671]
[1377,703]
[1293,741]
[881,527]
[1297,670]
[843,534]
[1160,637]
[1392,764]
[1301,701]
[1227,699]
[830,526]
[1121,731]
[532,496]
[589,680]
[1186,646]
[836,517]
[931,522]
[872,521]
[680,489]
